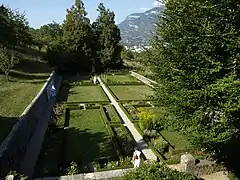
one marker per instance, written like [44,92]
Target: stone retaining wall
[20,149]
[145,80]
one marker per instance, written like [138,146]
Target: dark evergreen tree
[108,36]
[78,37]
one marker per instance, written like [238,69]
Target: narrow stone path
[141,144]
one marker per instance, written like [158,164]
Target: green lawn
[132,92]
[87,138]
[86,93]
[180,143]
[15,95]
[119,79]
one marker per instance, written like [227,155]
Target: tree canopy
[195,58]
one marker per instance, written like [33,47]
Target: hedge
[126,112]
[110,132]
[87,102]
[155,171]
[124,84]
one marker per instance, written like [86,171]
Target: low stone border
[145,80]
[91,176]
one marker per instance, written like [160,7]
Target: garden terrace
[86,138]
[23,84]
[125,79]
[132,92]
[86,94]
[92,138]
[168,145]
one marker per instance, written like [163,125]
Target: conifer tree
[108,35]
[78,36]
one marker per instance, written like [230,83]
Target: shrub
[147,120]
[161,145]
[73,169]
[155,171]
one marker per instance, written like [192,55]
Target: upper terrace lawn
[24,83]
[128,92]
[119,78]
[86,94]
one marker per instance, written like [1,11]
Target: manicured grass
[179,141]
[87,138]
[86,93]
[119,78]
[128,92]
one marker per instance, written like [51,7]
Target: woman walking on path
[136,157]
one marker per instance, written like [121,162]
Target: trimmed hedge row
[87,102]
[110,91]
[115,114]
[123,83]
[77,107]
[110,132]
[114,138]
[126,112]
[130,101]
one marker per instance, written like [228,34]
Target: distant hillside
[137,28]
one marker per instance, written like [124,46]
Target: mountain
[137,28]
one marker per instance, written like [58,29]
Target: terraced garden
[89,135]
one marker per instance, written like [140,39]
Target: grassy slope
[87,138]
[24,83]
[132,92]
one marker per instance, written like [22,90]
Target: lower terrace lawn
[15,96]
[86,94]
[134,92]
[119,78]
[87,138]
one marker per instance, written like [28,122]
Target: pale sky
[40,12]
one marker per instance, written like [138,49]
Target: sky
[40,12]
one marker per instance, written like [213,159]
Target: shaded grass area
[85,140]
[49,160]
[129,92]
[86,93]
[92,140]
[6,124]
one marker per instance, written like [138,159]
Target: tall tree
[78,36]
[108,35]
[14,32]
[196,59]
